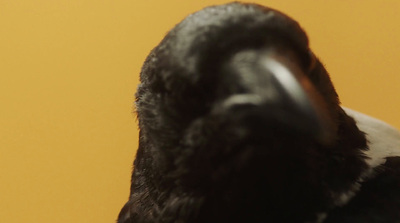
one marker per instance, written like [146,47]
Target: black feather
[197,165]
[378,201]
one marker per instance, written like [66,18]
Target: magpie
[240,122]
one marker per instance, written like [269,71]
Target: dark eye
[312,60]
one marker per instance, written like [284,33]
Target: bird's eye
[311,61]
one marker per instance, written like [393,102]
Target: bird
[239,121]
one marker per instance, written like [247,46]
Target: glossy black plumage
[199,163]
[377,201]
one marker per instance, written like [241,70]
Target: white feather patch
[383,139]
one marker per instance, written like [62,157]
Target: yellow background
[68,73]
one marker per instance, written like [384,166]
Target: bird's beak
[278,87]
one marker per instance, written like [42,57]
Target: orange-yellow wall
[69,69]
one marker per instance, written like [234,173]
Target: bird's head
[235,90]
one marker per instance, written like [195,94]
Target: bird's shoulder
[383,139]
[378,197]
[377,201]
